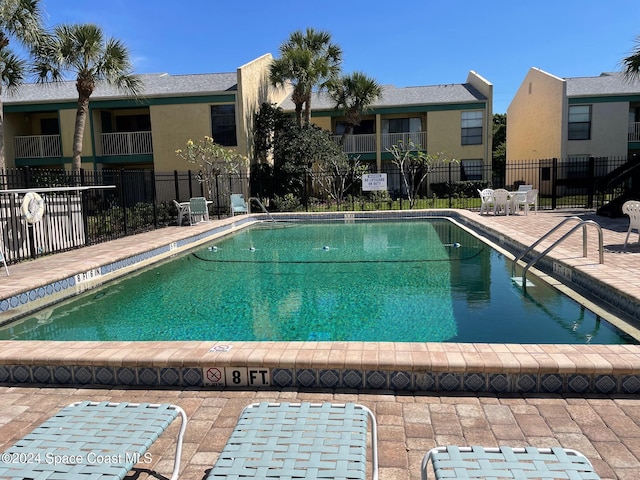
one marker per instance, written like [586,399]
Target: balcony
[366,143]
[126,143]
[634,132]
[37,146]
[390,139]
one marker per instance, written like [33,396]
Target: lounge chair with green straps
[507,462]
[92,440]
[299,440]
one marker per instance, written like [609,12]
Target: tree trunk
[348,130]
[297,97]
[78,134]
[307,109]
[299,114]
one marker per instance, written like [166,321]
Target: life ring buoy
[32,208]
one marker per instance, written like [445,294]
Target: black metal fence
[92,207]
[97,206]
[562,183]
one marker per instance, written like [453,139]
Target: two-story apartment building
[452,119]
[142,132]
[567,122]
[553,117]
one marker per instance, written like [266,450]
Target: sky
[410,43]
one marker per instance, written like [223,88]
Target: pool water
[395,281]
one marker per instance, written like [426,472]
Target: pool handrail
[257,200]
[582,223]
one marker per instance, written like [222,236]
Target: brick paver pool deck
[606,428]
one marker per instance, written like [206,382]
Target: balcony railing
[390,139]
[366,143]
[634,132]
[126,143]
[37,146]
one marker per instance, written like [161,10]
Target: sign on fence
[374,182]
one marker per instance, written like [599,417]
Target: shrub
[287,203]
[460,189]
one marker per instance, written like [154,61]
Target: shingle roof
[154,85]
[610,83]
[405,96]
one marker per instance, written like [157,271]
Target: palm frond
[631,63]
[13,69]
[22,19]
[83,51]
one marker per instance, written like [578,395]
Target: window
[49,126]
[402,130]
[471,169]
[365,127]
[223,125]
[402,125]
[579,122]
[575,168]
[472,128]
[133,123]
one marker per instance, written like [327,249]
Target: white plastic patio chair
[4,262]
[526,200]
[501,201]
[486,199]
[632,208]
[183,211]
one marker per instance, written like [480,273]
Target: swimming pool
[398,281]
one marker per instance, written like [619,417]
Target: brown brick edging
[350,365]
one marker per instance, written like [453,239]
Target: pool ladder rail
[581,223]
[264,209]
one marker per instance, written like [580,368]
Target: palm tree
[631,64]
[354,94]
[19,19]
[308,59]
[291,67]
[83,50]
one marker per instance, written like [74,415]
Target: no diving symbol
[220,348]
[214,375]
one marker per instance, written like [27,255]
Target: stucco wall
[173,125]
[609,127]
[10,130]
[535,118]
[322,122]
[444,134]
[486,88]
[67,129]
[253,89]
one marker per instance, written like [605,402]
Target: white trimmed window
[472,128]
[471,169]
[579,122]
